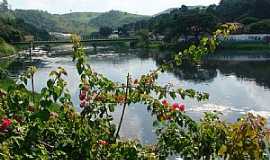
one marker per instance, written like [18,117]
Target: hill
[14,29]
[115,19]
[77,22]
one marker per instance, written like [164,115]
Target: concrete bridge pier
[31,48]
[95,47]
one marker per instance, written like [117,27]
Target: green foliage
[260,27]
[144,40]
[6,49]
[115,19]
[44,130]
[14,29]
[248,20]
[105,31]
[234,9]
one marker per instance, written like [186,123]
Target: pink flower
[82,95]
[102,142]
[165,103]
[5,124]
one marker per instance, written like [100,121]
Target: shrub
[6,49]
[260,27]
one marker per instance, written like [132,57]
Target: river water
[235,87]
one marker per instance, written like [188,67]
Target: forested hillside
[115,19]
[238,9]
[14,29]
[80,22]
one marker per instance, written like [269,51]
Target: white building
[114,35]
[61,36]
[247,37]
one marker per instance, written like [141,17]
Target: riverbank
[5,80]
[246,46]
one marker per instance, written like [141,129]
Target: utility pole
[30,51]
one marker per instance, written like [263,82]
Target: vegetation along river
[236,85]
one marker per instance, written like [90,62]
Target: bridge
[92,41]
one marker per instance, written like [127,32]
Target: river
[235,87]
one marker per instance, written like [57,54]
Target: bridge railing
[83,41]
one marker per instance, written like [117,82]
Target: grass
[155,45]
[6,83]
[6,49]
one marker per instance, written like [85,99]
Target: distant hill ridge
[172,9]
[77,22]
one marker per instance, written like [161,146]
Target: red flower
[182,107]
[136,81]
[178,107]
[82,95]
[165,103]
[83,104]
[102,142]
[5,124]
[175,106]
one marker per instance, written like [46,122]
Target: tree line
[186,21]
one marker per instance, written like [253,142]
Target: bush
[260,27]
[6,49]
[3,74]
[249,20]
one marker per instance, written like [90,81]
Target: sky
[145,7]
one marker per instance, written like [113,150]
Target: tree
[262,9]
[143,38]
[230,10]
[260,27]
[4,6]
[184,8]
[105,31]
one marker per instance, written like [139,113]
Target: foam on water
[214,107]
[264,114]
[208,107]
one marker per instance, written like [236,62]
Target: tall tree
[105,31]
[4,6]
[262,8]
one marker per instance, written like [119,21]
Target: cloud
[148,7]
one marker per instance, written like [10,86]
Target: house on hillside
[156,37]
[114,35]
[60,36]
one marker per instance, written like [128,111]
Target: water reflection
[253,71]
[250,66]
